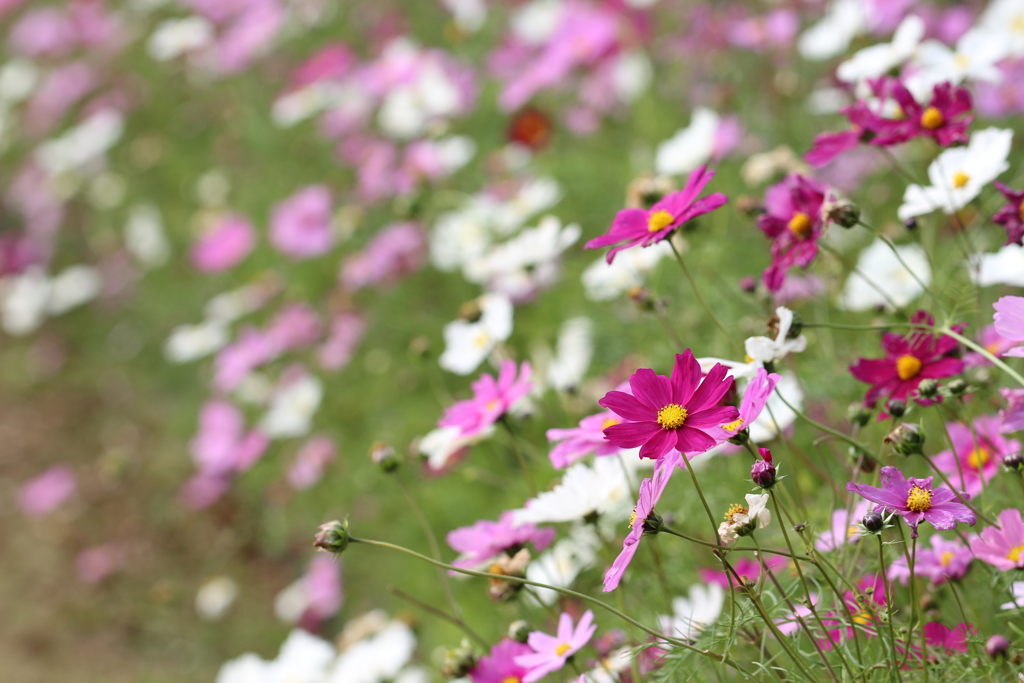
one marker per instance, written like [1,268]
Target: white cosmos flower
[410,106]
[144,236]
[1017,591]
[192,342]
[693,614]
[843,21]
[974,59]
[292,408]
[689,147]
[467,344]
[303,658]
[1005,17]
[887,277]
[573,353]
[535,22]
[468,15]
[18,78]
[525,263]
[460,237]
[24,301]
[441,444]
[768,350]
[377,658]
[604,281]
[73,287]
[755,515]
[536,195]
[584,490]
[1004,267]
[175,37]
[877,60]
[631,75]
[81,144]
[215,597]
[560,565]
[959,174]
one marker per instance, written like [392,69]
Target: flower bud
[873,522]
[997,646]
[1014,462]
[519,631]
[459,661]
[763,471]
[906,439]
[385,457]
[896,408]
[928,388]
[419,347]
[910,224]
[503,589]
[845,214]
[858,414]
[748,284]
[796,328]
[957,387]
[471,311]
[333,537]
[740,437]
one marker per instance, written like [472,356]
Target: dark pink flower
[1002,546]
[944,119]
[663,414]
[226,244]
[908,360]
[650,493]
[642,227]
[48,491]
[746,567]
[828,146]
[916,501]
[945,560]
[500,666]
[1011,216]
[980,449]
[948,640]
[484,540]
[755,396]
[491,400]
[300,226]
[793,221]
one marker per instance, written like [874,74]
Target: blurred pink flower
[295,326]
[345,334]
[500,666]
[300,226]
[43,32]
[249,35]
[1002,546]
[980,449]
[308,467]
[224,245]
[550,653]
[395,252]
[777,29]
[993,343]
[482,541]
[491,399]
[46,492]
[235,361]
[1012,417]
[98,562]
[222,446]
[323,588]
[58,92]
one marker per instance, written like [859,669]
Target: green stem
[704,502]
[441,614]
[828,430]
[888,606]
[700,297]
[520,458]
[945,329]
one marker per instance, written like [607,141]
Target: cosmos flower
[1009,322]
[692,614]
[550,653]
[844,528]
[945,560]
[895,278]
[1002,546]
[482,541]
[945,119]
[663,414]
[1011,215]
[916,501]
[499,666]
[792,220]
[47,491]
[742,520]
[642,227]
[468,342]
[980,448]
[491,399]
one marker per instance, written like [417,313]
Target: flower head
[793,222]
[980,448]
[642,227]
[1009,322]
[664,413]
[500,666]
[1002,546]
[916,501]
[944,119]
[743,520]
[1011,216]
[844,528]
[550,653]
[945,560]
[491,400]
[485,539]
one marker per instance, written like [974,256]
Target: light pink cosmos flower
[249,35]
[48,491]
[395,252]
[308,467]
[650,494]
[756,395]
[295,326]
[322,582]
[224,245]
[300,226]
[663,414]
[43,32]
[945,560]
[1003,546]
[484,540]
[843,529]
[551,652]
[1012,417]
[98,562]
[916,501]
[59,91]
[1009,322]
[980,448]
[222,446]
[235,361]
[500,666]
[642,227]
[773,30]
[345,334]
[993,342]
[491,400]
[578,442]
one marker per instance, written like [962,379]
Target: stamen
[960,179]
[977,458]
[908,366]
[800,225]
[672,416]
[1015,553]
[562,649]
[919,499]
[659,220]
[932,118]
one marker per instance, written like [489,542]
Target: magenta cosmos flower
[587,438]
[642,227]
[1002,546]
[484,540]
[491,399]
[551,652]
[500,665]
[650,494]
[1011,216]
[916,501]
[908,360]
[665,414]
[980,449]
[945,119]
[792,221]
[755,396]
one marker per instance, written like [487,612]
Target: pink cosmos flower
[57,93]
[551,652]
[755,396]
[222,446]
[581,441]
[916,501]
[793,221]
[844,528]
[1005,97]
[345,334]
[1002,546]
[945,560]
[48,491]
[300,226]
[484,540]
[395,252]
[43,32]
[828,146]
[322,582]
[1012,417]
[1009,322]
[980,448]
[248,35]
[235,361]
[993,342]
[98,562]
[226,244]
[663,414]
[1011,216]
[295,326]
[746,567]
[500,666]
[795,289]
[773,30]
[308,467]
[642,227]
[650,493]
[491,400]
[944,119]
[908,360]
[945,639]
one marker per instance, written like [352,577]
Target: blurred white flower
[303,658]
[572,356]
[82,144]
[561,564]
[974,59]
[1005,17]
[467,344]
[830,37]
[777,416]
[584,490]
[215,597]
[525,263]
[692,615]
[689,147]
[878,60]
[175,37]
[631,75]
[1004,267]
[468,15]
[72,287]
[536,21]
[144,236]
[18,78]
[889,279]
[442,444]
[25,300]
[377,658]
[292,408]
[604,281]
[187,343]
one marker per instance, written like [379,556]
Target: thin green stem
[945,329]
[520,458]
[700,297]
[703,501]
[441,614]
[888,606]
[828,430]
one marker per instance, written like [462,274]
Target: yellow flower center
[672,416]
[1015,553]
[733,426]
[932,118]
[481,339]
[960,179]
[1020,210]
[852,531]
[659,220]
[993,348]
[800,225]
[609,422]
[562,649]
[735,509]
[512,679]
[919,499]
[632,518]
[907,366]
[864,618]
[961,60]
[978,457]
[946,558]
